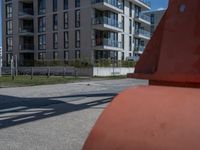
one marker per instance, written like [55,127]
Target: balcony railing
[143,33]
[146,2]
[26,12]
[26,30]
[143,17]
[108,21]
[114,3]
[139,48]
[107,42]
[26,47]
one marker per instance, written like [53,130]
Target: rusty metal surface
[149,118]
[173,53]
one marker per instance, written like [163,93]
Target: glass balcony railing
[143,33]
[26,47]
[108,21]
[114,3]
[143,17]
[26,12]
[108,42]
[26,30]
[139,49]
[146,2]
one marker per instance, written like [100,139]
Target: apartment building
[155,17]
[73,29]
[0,57]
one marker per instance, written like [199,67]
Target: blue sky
[156,4]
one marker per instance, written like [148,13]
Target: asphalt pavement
[54,117]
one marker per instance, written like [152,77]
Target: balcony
[113,5]
[26,47]
[26,31]
[105,23]
[140,33]
[142,18]
[26,13]
[139,49]
[144,4]
[107,44]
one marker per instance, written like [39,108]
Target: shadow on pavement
[16,110]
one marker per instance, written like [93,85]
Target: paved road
[54,117]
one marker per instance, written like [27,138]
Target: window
[66,40]
[123,22]
[152,18]
[65,4]
[55,5]
[9,11]
[130,26]
[41,56]
[65,20]
[8,59]
[41,24]
[130,43]
[130,9]
[77,18]
[77,54]
[77,39]
[66,55]
[123,41]
[122,55]
[42,42]
[9,44]
[9,27]
[55,55]
[55,40]
[55,22]
[41,7]
[77,3]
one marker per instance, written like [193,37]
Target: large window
[130,43]
[9,10]
[66,40]
[65,4]
[77,3]
[41,56]
[41,7]
[9,27]
[77,18]
[41,24]
[9,44]
[66,55]
[42,42]
[130,26]
[8,59]
[77,54]
[77,39]
[66,20]
[55,22]
[55,5]
[55,40]
[55,55]
[130,9]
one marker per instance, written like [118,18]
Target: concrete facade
[87,30]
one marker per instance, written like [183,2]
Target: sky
[155,4]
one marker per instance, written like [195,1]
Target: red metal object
[163,117]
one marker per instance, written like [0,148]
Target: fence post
[64,72]
[48,72]
[16,65]
[12,67]
[32,73]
